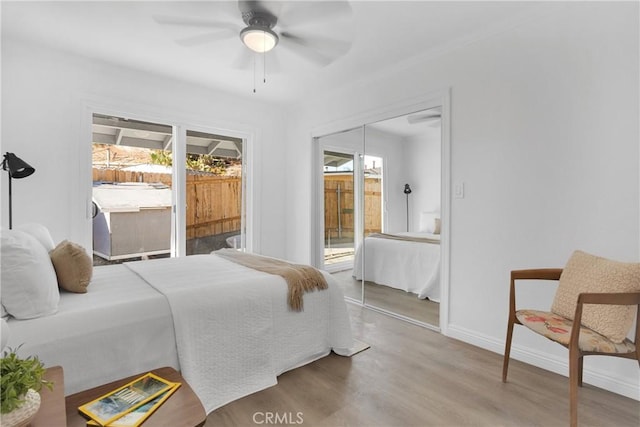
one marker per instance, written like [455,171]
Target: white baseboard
[598,378]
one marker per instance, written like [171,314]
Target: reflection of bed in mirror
[409,261]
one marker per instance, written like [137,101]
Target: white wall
[545,137]
[423,168]
[43,97]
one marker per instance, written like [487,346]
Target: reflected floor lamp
[407,191]
[17,168]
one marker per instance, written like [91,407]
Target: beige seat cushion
[74,267]
[558,329]
[585,273]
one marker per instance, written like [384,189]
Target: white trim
[445,209]
[317,201]
[179,196]
[440,98]
[558,365]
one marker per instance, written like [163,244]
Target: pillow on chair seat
[585,273]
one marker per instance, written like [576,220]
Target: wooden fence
[339,220]
[214,203]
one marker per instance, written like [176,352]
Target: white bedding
[233,329]
[120,327]
[229,350]
[411,266]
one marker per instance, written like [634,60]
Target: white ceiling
[383,34]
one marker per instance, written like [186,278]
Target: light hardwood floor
[412,376]
[390,299]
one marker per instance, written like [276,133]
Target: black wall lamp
[407,191]
[17,168]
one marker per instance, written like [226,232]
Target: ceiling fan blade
[205,38]
[305,12]
[243,60]
[300,48]
[195,22]
[326,45]
[422,118]
[272,7]
[246,60]
[272,63]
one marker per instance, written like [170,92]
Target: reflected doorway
[339,210]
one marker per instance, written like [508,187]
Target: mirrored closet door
[381,223]
[401,258]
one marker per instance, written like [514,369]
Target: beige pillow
[585,273]
[73,266]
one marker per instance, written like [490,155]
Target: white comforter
[234,331]
[411,266]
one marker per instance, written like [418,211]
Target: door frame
[439,98]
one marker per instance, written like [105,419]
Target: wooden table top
[183,408]
[51,412]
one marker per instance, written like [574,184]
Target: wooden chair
[581,341]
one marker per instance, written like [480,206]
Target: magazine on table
[128,398]
[141,413]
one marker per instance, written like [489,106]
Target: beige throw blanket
[299,278]
[405,238]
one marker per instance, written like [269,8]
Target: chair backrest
[586,273]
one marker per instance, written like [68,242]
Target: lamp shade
[258,38]
[17,167]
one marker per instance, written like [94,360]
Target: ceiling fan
[298,27]
[429,117]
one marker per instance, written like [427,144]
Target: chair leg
[574,378]
[580,362]
[507,350]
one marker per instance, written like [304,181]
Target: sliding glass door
[214,195]
[132,189]
[148,205]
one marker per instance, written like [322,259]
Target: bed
[228,328]
[409,261]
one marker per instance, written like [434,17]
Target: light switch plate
[458,190]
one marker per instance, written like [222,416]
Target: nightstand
[52,412]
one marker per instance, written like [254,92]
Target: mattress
[120,327]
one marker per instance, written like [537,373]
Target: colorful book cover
[125,399]
[141,413]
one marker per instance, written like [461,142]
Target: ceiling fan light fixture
[259,39]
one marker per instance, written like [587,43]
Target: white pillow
[40,232]
[429,222]
[29,283]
